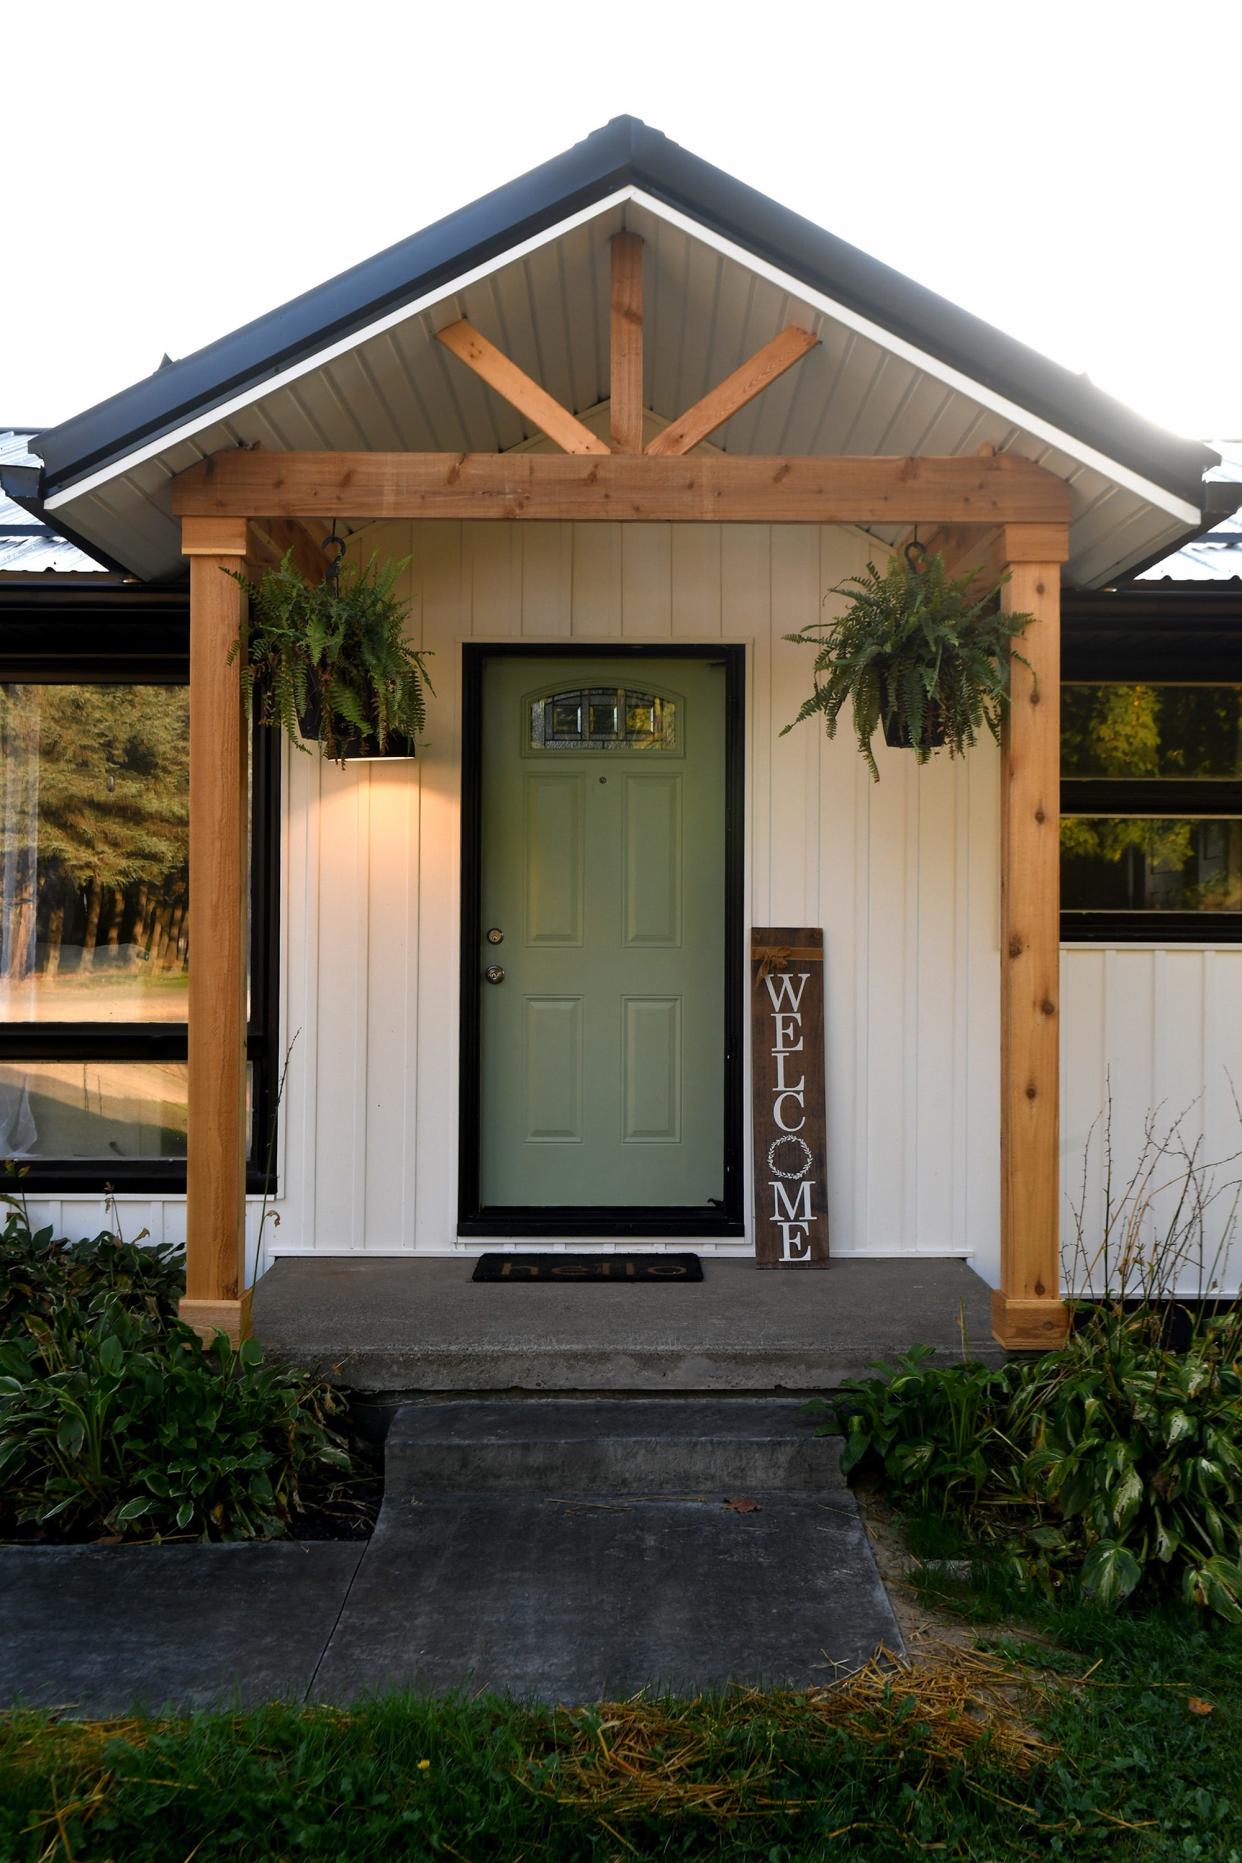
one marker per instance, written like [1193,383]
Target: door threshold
[602,1226]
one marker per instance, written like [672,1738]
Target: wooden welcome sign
[787,1049]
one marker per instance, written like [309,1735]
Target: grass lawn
[1084,1735]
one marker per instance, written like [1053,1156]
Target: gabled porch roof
[354,364]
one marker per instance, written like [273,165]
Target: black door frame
[473,1219]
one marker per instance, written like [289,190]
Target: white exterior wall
[903,875]
[1156,1030]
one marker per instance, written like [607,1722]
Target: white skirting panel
[1156,1031]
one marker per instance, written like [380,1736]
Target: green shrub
[38,1270]
[1113,1463]
[112,1422]
[115,1421]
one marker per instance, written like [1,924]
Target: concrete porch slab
[424,1325]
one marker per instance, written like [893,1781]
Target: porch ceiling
[709,304]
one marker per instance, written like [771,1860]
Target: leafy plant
[1115,1462]
[39,1271]
[115,1421]
[332,659]
[922,654]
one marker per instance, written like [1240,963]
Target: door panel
[651,806]
[554,857]
[651,1056]
[602,1050]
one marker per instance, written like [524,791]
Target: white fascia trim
[931,365]
[1146,489]
[341,347]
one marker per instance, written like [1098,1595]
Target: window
[1151,810]
[603,718]
[96,925]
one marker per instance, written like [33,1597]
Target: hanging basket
[354,749]
[897,730]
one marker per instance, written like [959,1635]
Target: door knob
[495,973]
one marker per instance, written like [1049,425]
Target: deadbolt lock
[495,935]
[494,973]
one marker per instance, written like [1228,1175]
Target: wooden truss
[248,506]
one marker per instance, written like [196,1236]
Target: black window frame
[1159,635]
[119,635]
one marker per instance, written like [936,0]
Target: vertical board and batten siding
[902,875]
[1156,1031]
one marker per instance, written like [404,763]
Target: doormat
[590,1268]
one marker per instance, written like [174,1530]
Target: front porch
[386,1326]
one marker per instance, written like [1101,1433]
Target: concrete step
[605,1445]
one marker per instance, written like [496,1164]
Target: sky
[173,170]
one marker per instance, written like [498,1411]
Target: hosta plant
[1114,1464]
[331,660]
[39,1270]
[113,1423]
[920,654]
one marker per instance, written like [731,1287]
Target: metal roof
[1216,556]
[355,364]
[28,547]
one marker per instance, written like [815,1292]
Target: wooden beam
[733,393]
[991,552]
[271,538]
[713,488]
[532,402]
[215,1283]
[626,343]
[1028,1312]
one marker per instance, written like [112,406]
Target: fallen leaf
[742,1504]
[1197,1705]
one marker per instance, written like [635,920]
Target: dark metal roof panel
[624,153]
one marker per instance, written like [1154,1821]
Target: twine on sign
[780,957]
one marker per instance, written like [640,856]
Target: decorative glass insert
[604,718]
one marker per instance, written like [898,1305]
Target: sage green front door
[602,942]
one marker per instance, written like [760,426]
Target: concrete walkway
[595,1554]
[397,1326]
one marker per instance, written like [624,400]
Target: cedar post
[1028,1312]
[216,1298]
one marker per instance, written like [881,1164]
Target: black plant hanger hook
[916,552]
[332,574]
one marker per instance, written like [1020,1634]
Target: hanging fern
[917,652]
[332,658]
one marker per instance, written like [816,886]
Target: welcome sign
[787,1048]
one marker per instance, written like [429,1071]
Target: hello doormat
[593,1270]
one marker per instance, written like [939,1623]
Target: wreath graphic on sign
[790,1139]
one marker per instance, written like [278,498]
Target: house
[630,423]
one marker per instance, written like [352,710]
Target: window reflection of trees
[94,835]
[1146,732]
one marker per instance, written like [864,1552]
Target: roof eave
[625,153]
